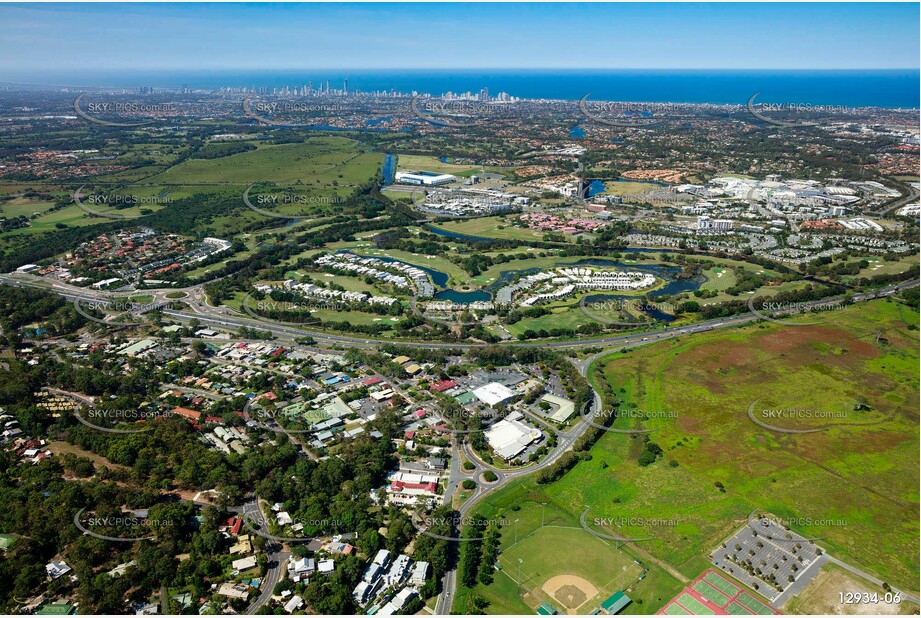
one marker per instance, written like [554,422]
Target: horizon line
[470,68]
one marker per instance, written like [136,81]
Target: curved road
[565,441]
[277,556]
[214,316]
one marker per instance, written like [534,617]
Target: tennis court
[754,604]
[711,594]
[722,583]
[737,610]
[697,608]
[676,610]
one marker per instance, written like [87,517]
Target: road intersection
[219,316]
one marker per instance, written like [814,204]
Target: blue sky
[62,37]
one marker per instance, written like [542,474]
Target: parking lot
[767,557]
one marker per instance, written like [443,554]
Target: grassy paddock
[863,474]
[320,160]
[860,472]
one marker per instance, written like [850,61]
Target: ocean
[897,88]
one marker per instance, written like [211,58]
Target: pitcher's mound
[570,591]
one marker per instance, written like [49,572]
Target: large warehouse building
[428,179]
[494,394]
[510,436]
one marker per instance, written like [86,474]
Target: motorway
[222,317]
[912,197]
[206,314]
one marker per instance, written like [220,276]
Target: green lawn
[718,278]
[492,227]
[70,216]
[352,284]
[549,541]
[879,266]
[863,474]
[425,163]
[629,188]
[23,207]
[858,473]
[763,292]
[320,160]
[562,317]
[327,315]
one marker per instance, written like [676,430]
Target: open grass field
[879,266]
[862,474]
[491,227]
[567,314]
[822,596]
[424,163]
[327,315]
[23,207]
[596,569]
[560,563]
[12,187]
[563,317]
[354,317]
[719,279]
[859,472]
[319,160]
[763,292]
[352,284]
[629,188]
[71,216]
[60,447]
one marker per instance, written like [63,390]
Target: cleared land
[491,227]
[416,163]
[70,216]
[629,188]
[863,474]
[822,596]
[319,160]
[861,471]
[24,207]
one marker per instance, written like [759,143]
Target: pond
[390,163]
[646,308]
[462,298]
[595,187]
